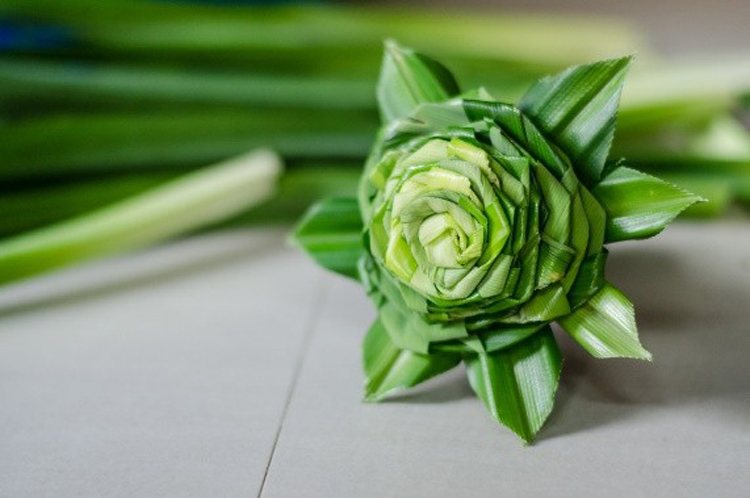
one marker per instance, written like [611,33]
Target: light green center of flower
[443,217]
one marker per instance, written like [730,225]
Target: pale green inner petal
[423,283]
[431,152]
[398,256]
[443,251]
[474,155]
[448,220]
[449,277]
[433,179]
[465,286]
[495,280]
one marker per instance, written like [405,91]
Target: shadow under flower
[691,316]
[695,326]
[451,386]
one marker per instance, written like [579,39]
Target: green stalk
[35,82]
[298,188]
[683,91]
[61,146]
[348,35]
[196,200]
[27,209]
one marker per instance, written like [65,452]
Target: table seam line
[315,316]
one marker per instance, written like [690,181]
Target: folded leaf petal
[577,109]
[638,205]
[605,326]
[331,232]
[408,79]
[518,384]
[389,369]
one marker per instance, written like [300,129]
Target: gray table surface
[228,365]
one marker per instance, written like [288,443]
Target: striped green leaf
[638,205]
[577,109]
[172,140]
[518,384]
[83,83]
[408,79]
[389,369]
[605,326]
[331,232]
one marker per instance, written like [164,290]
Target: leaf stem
[182,205]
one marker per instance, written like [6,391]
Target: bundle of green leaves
[478,223]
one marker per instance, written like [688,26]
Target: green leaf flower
[479,223]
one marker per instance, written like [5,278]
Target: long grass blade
[104,143]
[186,204]
[152,29]
[34,82]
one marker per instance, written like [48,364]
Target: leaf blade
[577,109]
[408,79]
[638,205]
[605,326]
[331,232]
[389,369]
[518,384]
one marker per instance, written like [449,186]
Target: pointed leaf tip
[577,109]
[638,205]
[389,369]
[408,79]
[605,326]
[518,384]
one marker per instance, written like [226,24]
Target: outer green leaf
[517,126]
[639,205]
[577,109]
[425,120]
[410,331]
[408,79]
[545,305]
[605,326]
[518,384]
[389,369]
[331,232]
[489,341]
[590,279]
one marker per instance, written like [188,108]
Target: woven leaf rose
[479,223]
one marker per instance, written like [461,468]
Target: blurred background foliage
[101,100]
